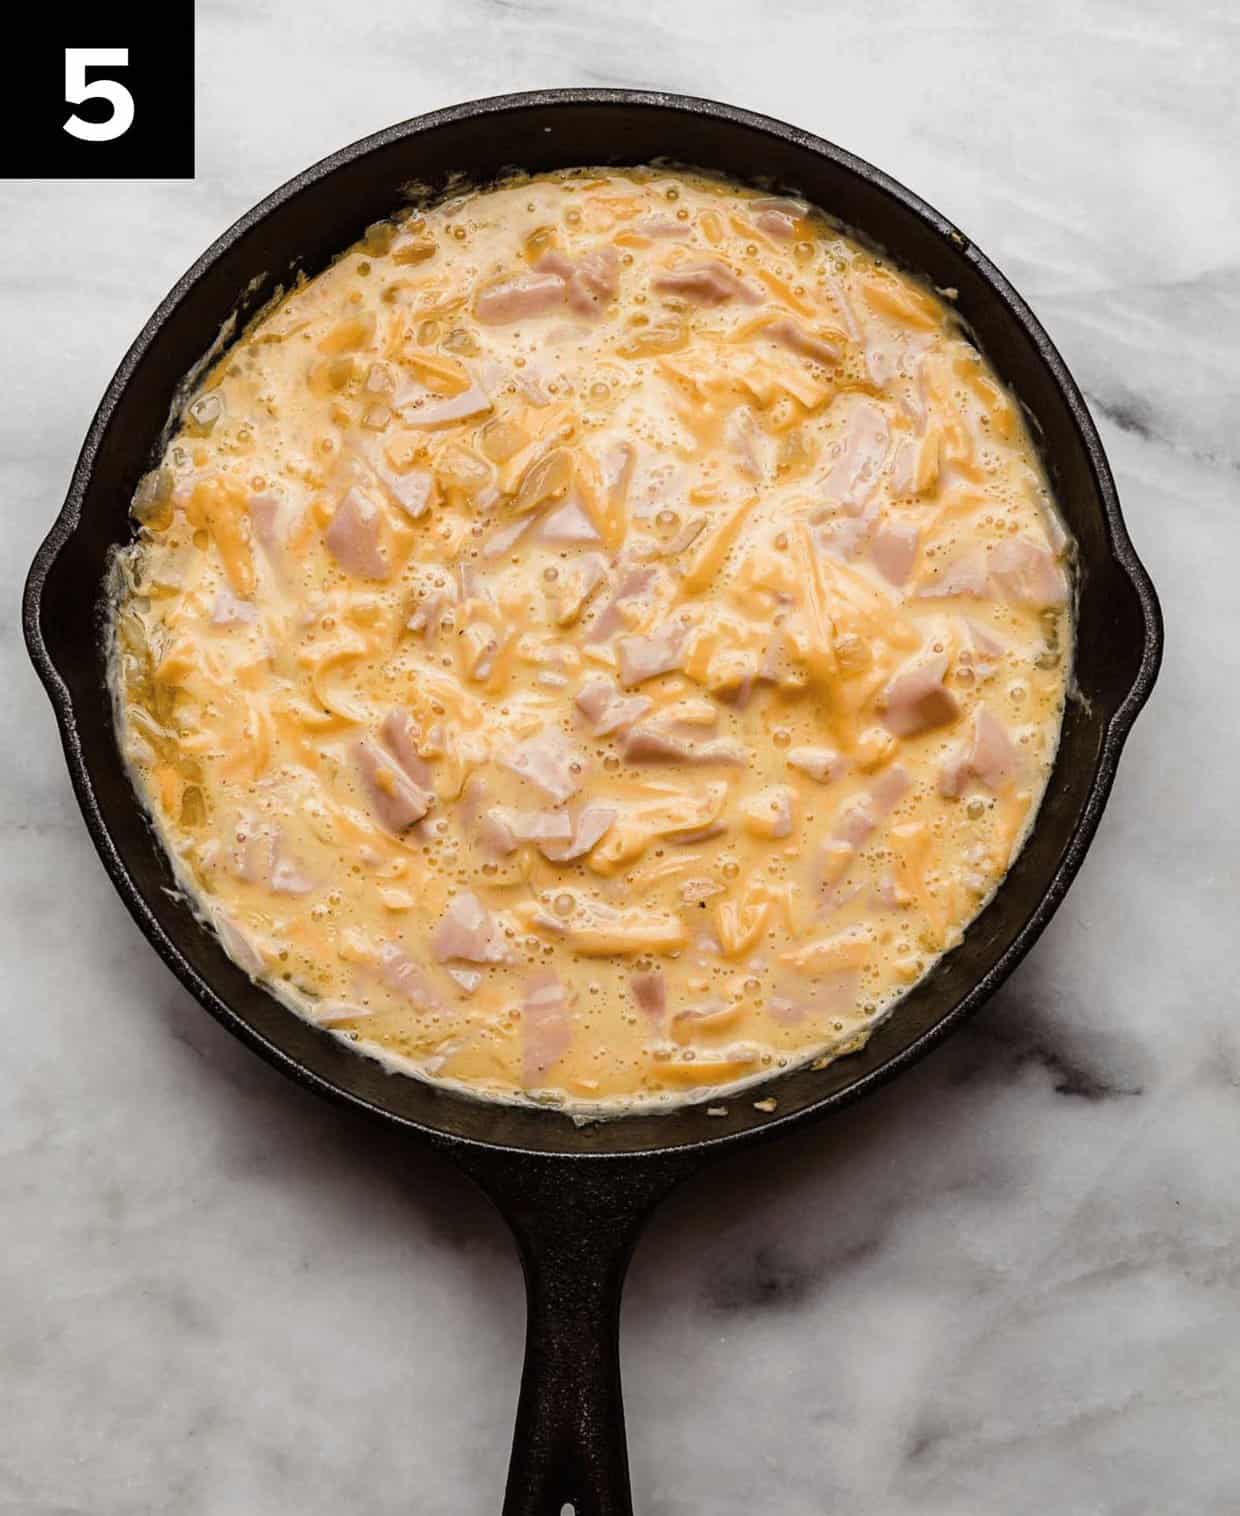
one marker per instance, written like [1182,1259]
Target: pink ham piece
[652,744]
[471,585]
[261,859]
[989,756]
[859,458]
[778,218]
[642,658]
[857,821]
[797,340]
[965,575]
[546,1026]
[509,300]
[635,585]
[889,789]
[395,799]
[855,824]
[746,439]
[706,283]
[917,699]
[466,980]
[468,930]
[504,538]
[660,226]
[607,710]
[982,650]
[650,993]
[237,944]
[265,524]
[412,491]
[844,536]
[424,620]
[591,825]
[549,761]
[591,280]
[1028,573]
[821,764]
[352,537]
[834,994]
[448,410]
[400,735]
[508,827]
[405,980]
[893,551]
[230,611]
[567,525]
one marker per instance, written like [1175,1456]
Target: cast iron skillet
[576,1197]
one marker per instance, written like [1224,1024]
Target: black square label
[107,92]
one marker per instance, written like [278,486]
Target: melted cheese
[599,642]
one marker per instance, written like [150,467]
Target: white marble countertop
[1010,1283]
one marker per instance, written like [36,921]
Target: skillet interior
[321,212]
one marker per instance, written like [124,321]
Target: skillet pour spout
[576,1196]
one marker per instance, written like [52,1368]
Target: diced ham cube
[989,755]
[353,536]
[917,699]
[396,800]
[859,458]
[650,993]
[889,789]
[654,744]
[893,549]
[591,825]
[607,710]
[779,218]
[403,977]
[642,658]
[568,525]
[468,930]
[510,827]
[706,283]
[532,294]
[965,575]
[660,227]
[636,584]
[546,1027]
[400,736]
[1028,573]
[413,492]
[796,339]
[504,538]
[265,513]
[591,280]
[448,409]
[549,761]
[821,764]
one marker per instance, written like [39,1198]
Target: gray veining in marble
[1009,1283]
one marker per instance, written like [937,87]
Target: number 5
[78,88]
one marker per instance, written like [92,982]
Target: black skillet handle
[576,1222]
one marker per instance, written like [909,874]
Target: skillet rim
[1115,732]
